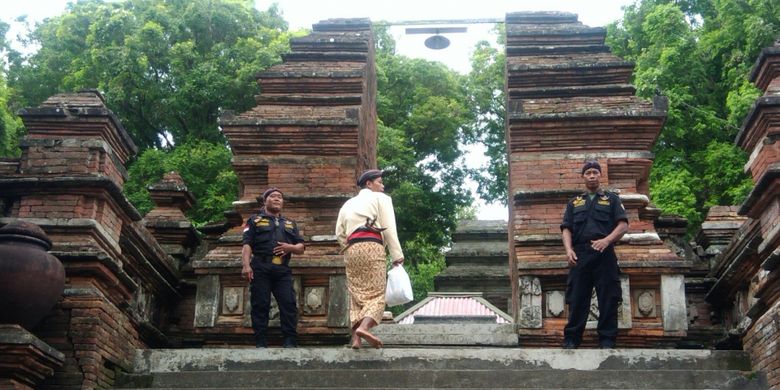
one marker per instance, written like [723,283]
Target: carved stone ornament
[315,297]
[555,303]
[530,302]
[645,302]
[233,300]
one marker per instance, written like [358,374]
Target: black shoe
[260,344]
[569,344]
[289,342]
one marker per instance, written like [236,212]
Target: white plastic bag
[399,287]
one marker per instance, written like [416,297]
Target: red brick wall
[763,343]
[95,337]
[69,156]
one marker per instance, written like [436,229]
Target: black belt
[273,259]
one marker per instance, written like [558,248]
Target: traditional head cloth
[370,174]
[270,191]
[590,164]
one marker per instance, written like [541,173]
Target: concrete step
[477,335]
[447,378]
[444,367]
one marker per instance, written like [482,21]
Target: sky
[304,13]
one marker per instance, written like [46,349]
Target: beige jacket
[369,204]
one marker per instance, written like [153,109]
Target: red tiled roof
[453,306]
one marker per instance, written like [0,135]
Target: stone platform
[331,368]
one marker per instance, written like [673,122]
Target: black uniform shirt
[263,232]
[593,219]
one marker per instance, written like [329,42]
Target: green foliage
[699,54]
[165,68]
[485,86]
[205,168]
[10,125]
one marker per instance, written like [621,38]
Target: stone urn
[31,280]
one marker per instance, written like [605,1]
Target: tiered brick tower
[748,271]
[312,132]
[120,284]
[569,99]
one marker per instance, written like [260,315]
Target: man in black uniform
[269,240]
[592,223]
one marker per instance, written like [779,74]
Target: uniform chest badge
[604,200]
[262,222]
[288,225]
[578,201]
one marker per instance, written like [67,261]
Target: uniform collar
[600,192]
[262,213]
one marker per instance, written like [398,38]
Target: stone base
[25,360]
[449,334]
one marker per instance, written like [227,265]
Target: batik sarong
[366,280]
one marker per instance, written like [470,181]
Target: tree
[165,68]
[205,168]
[485,86]
[699,54]
[10,125]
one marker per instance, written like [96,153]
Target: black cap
[590,164]
[370,174]
[270,191]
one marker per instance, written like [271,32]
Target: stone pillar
[564,86]
[167,222]
[748,270]
[120,283]
[312,132]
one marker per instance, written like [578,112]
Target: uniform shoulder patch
[604,200]
[261,221]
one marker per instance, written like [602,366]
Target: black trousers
[277,279]
[599,270]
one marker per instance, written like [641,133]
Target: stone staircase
[445,367]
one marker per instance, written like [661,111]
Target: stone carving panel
[233,301]
[314,300]
[645,303]
[555,303]
[624,310]
[530,302]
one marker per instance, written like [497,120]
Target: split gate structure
[136,282]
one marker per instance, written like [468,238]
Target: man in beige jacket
[365,226]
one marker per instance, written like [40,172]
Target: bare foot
[366,335]
[355,342]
